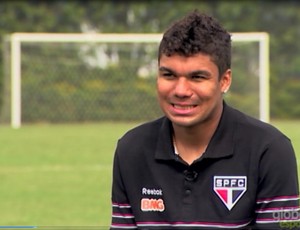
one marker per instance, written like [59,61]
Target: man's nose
[182,87]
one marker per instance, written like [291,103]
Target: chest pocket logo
[152,205]
[230,189]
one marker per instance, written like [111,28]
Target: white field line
[53,168]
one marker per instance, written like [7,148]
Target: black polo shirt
[246,177]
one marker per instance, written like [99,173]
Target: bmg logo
[288,219]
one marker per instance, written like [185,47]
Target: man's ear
[225,81]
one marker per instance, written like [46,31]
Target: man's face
[189,89]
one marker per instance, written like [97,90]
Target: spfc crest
[230,189]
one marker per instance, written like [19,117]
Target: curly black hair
[198,33]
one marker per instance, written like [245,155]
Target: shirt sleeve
[122,216]
[277,204]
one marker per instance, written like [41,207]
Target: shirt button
[188,192]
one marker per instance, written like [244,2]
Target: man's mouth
[183,107]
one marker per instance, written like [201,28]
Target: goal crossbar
[17,38]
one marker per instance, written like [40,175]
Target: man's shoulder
[252,126]
[143,131]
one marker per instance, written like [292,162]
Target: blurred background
[52,80]
[77,100]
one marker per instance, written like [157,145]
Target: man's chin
[183,122]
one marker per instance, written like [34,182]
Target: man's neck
[191,142]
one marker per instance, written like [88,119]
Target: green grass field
[60,175]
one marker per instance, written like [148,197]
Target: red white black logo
[230,189]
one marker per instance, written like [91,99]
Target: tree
[279,18]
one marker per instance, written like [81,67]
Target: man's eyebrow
[200,72]
[162,68]
[196,72]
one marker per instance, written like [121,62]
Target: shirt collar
[164,148]
[221,145]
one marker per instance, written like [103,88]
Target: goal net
[59,78]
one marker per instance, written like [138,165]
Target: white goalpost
[264,69]
[17,39]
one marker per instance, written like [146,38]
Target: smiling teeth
[183,107]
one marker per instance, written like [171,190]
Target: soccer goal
[95,77]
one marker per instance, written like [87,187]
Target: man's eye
[198,77]
[167,75]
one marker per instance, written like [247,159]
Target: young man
[204,165]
